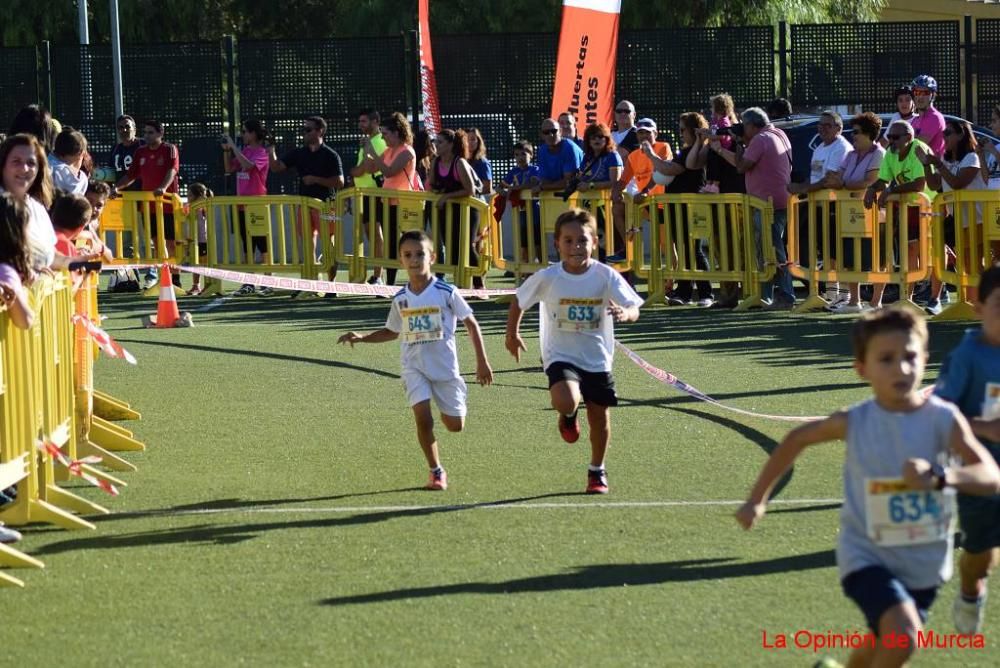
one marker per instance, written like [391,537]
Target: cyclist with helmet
[929,124]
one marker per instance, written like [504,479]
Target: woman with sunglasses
[451,176]
[959,169]
[602,169]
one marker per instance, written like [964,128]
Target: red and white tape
[75,467]
[306,285]
[110,347]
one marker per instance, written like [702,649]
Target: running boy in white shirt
[894,549]
[424,314]
[580,300]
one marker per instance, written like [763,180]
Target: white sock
[595,469]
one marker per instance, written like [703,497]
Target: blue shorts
[875,589]
[979,517]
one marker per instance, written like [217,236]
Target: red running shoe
[569,428]
[597,482]
[438,481]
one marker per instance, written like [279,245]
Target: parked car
[801,131]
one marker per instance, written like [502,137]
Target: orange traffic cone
[167,313]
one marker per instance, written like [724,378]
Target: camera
[736,130]
[571,187]
[223,139]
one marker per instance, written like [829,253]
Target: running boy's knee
[453,423]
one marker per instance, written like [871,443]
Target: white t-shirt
[426,323]
[41,235]
[828,158]
[971,159]
[64,179]
[574,325]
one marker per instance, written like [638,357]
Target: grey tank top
[878,444]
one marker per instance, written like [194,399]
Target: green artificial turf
[276,516]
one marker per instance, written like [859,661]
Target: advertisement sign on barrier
[855,220]
[411,215]
[258,217]
[700,220]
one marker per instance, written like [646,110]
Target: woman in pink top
[398,164]
[251,166]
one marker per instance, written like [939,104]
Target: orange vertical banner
[428,84]
[585,66]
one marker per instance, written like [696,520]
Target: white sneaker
[9,535]
[968,617]
[847,307]
[706,302]
[836,298]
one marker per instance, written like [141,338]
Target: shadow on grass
[804,509]
[609,575]
[238,533]
[258,353]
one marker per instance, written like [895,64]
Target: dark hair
[481,149]
[256,127]
[69,142]
[372,114]
[70,212]
[779,108]
[155,124]
[199,191]
[415,235]
[41,190]
[318,121]
[397,124]
[966,145]
[869,124]
[34,120]
[524,145]
[125,117]
[14,216]
[989,281]
[579,216]
[99,188]
[597,130]
[884,320]
[459,144]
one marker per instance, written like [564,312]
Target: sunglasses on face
[893,137]
[306,129]
[623,111]
[124,128]
[550,131]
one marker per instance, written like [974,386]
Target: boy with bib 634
[424,315]
[894,549]
[579,299]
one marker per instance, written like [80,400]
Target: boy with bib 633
[424,315]
[895,544]
[579,299]
[970,378]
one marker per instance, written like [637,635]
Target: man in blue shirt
[558,159]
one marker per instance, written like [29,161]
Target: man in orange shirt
[637,177]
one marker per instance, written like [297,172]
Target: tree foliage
[28,22]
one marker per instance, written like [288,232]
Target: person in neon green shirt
[901,172]
[369,123]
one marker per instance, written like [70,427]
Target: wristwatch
[939,474]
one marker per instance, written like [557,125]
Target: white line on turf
[513,505]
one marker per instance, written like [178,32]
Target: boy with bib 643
[424,315]
[894,549]
[579,299]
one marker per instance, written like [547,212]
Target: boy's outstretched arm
[378,336]
[829,429]
[513,341]
[484,373]
[979,475]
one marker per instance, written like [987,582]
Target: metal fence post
[783,59]
[970,63]
[45,78]
[411,74]
[231,83]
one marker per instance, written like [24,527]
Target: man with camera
[766,165]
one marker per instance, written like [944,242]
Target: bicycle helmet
[903,90]
[924,81]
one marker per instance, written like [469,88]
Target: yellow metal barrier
[385,214]
[735,231]
[838,224]
[145,220]
[532,223]
[271,233]
[974,218]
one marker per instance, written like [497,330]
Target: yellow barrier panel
[39,405]
[532,223]
[703,237]
[837,227]
[973,217]
[272,233]
[380,216]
